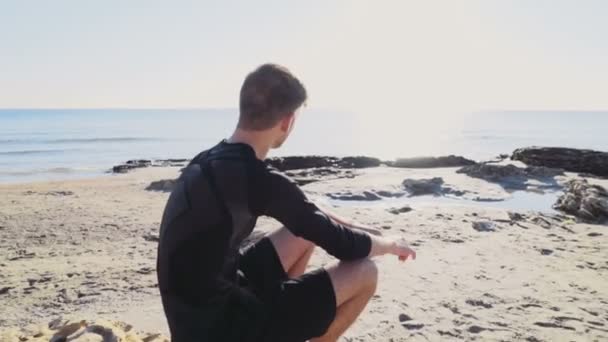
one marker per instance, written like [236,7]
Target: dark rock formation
[310,162]
[586,201]
[431,186]
[513,177]
[431,162]
[484,226]
[140,163]
[401,210]
[569,159]
[417,187]
[307,162]
[307,176]
[359,162]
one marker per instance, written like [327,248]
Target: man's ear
[286,122]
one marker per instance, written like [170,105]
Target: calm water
[58,144]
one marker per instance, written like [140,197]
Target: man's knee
[370,271]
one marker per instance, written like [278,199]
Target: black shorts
[299,309]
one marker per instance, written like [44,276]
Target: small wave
[53,170]
[94,140]
[28,152]
[75,140]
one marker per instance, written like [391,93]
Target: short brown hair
[268,94]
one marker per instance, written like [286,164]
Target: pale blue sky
[388,56]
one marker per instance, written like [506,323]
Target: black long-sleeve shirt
[212,209]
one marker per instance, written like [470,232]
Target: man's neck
[257,140]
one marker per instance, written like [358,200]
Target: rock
[402,210]
[164,185]
[431,162]
[513,216]
[417,187]
[484,226]
[22,254]
[478,302]
[141,163]
[348,196]
[569,159]
[301,162]
[4,290]
[541,221]
[307,162]
[429,186]
[307,176]
[546,251]
[145,270]
[475,329]
[586,201]
[131,164]
[511,176]
[359,162]
[404,317]
[151,236]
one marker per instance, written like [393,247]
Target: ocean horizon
[52,144]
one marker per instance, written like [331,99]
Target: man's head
[269,99]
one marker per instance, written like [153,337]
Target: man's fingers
[406,253]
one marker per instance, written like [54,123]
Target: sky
[361,56]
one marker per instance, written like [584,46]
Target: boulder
[415,187]
[484,226]
[569,159]
[431,162]
[401,210]
[586,201]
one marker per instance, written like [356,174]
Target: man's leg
[354,282]
[293,251]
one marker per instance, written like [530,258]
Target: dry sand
[85,250]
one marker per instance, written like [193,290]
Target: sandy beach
[85,250]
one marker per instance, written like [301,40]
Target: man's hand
[395,246]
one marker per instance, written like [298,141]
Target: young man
[214,291]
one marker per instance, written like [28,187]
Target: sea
[54,144]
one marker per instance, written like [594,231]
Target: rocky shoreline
[586,202]
[587,162]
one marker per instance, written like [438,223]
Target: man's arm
[380,245]
[349,223]
[283,200]
[280,197]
